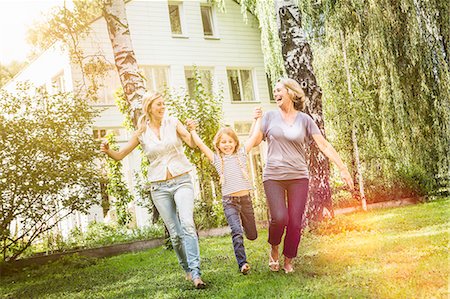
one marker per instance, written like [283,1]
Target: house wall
[236,44]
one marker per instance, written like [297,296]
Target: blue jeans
[239,208]
[288,216]
[174,199]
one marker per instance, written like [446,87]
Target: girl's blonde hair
[230,132]
[295,91]
[147,102]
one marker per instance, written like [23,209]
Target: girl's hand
[191,124]
[257,113]
[104,146]
[347,178]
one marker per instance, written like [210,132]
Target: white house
[169,38]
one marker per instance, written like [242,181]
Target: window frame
[182,19]
[200,69]
[58,82]
[153,67]
[252,76]
[213,22]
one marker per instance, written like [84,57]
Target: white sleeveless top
[166,153]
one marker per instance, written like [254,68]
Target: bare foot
[199,284]
[245,268]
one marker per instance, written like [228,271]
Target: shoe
[245,269]
[274,266]
[288,270]
[199,284]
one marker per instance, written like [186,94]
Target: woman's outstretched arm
[122,152]
[329,151]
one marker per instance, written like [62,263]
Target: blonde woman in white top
[172,191]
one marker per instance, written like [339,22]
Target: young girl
[230,162]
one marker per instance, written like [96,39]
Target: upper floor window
[241,85]
[58,83]
[206,78]
[156,77]
[207,20]
[175,15]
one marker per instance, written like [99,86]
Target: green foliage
[47,164]
[399,69]
[206,108]
[116,186]
[64,24]
[68,27]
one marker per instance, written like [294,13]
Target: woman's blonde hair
[295,91]
[230,132]
[147,101]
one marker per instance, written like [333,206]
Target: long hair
[230,132]
[295,91]
[146,108]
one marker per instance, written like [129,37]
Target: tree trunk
[298,58]
[356,159]
[124,57]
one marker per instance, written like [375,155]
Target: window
[270,87]
[242,127]
[206,79]
[207,20]
[98,133]
[241,85]
[107,87]
[156,77]
[58,83]
[175,18]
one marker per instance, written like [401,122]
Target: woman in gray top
[287,131]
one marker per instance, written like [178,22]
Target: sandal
[199,284]
[290,269]
[274,266]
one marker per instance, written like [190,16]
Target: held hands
[191,124]
[104,147]
[347,178]
[257,113]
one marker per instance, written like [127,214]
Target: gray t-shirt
[286,154]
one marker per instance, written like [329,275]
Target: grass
[390,253]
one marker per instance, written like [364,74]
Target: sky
[15,17]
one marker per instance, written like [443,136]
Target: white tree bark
[298,59]
[125,59]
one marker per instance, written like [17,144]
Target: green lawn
[391,253]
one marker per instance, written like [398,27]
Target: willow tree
[400,79]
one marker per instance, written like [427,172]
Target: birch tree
[124,57]
[298,58]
